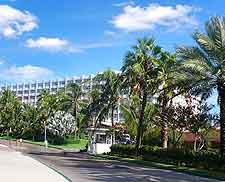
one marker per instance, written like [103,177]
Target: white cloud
[137,18]
[109,33]
[25,73]
[57,45]
[126,3]
[14,22]
[51,44]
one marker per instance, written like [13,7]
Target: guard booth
[100,140]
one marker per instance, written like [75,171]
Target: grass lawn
[81,144]
[71,144]
[192,171]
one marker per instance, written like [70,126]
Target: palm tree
[110,94]
[167,65]
[204,66]
[73,103]
[140,74]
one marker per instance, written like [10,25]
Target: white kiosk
[100,140]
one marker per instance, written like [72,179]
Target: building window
[33,85]
[100,138]
[54,83]
[32,97]
[20,86]
[27,86]
[40,85]
[32,91]
[25,97]
[20,92]
[62,83]
[26,91]
[47,84]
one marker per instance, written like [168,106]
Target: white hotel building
[28,92]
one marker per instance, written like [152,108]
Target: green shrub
[57,140]
[206,159]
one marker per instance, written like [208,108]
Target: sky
[41,40]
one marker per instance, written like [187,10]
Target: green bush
[57,140]
[205,159]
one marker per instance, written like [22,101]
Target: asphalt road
[81,167]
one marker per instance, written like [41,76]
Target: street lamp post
[46,142]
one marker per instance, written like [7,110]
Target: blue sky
[51,39]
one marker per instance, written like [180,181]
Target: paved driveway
[81,167]
[15,167]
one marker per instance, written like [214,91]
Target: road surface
[81,167]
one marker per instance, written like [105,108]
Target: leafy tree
[204,68]
[200,123]
[61,123]
[47,105]
[10,108]
[31,118]
[140,75]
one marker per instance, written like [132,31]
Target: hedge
[180,157]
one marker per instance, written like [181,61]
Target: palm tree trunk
[75,122]
[165,135]
[141,123]
[164,131]
[221,92]
[195,142]
[112,121]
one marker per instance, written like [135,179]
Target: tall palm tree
[110,94]
[167,65]
[204,66]
[140,74]
[73,103]
[97,110]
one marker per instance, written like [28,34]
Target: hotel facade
[28,92]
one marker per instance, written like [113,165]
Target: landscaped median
[205,163]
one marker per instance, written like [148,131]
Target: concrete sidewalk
[15,167]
